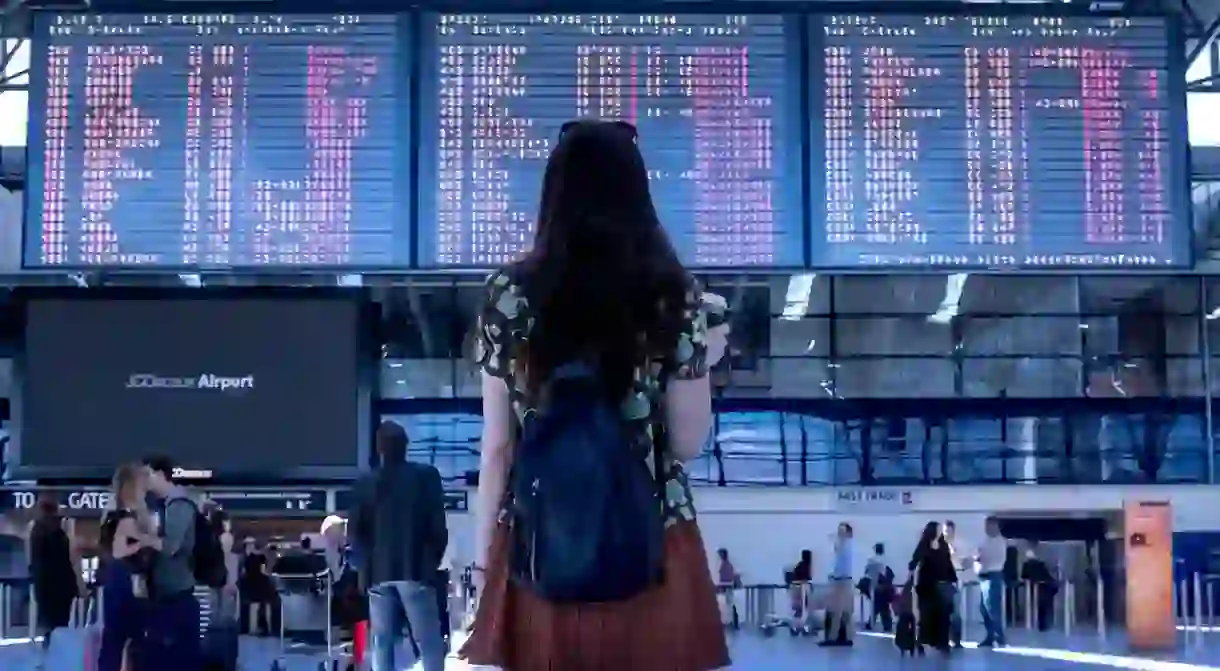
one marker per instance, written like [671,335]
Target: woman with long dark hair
[602,283]
[932,567]
[53,573]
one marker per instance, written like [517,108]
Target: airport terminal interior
[967,254]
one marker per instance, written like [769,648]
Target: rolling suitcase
[220,647]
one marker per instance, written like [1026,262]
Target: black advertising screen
[716,99]
[226,387]
[218,140]
[997,141]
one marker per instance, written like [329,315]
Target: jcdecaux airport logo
[207,381]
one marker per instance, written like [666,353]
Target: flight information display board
[716,99]
[218,140]
[997,141]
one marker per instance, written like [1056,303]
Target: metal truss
[8,51]
[1202,26]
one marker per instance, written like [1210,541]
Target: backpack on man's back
[586,510]
[207,553]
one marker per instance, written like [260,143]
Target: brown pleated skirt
[672,627]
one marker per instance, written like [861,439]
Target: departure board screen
[997,141]
[218,140]
[716,99]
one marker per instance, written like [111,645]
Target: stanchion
[962,613]
[1198,602]
[1101,608]
[1210,604]
[32,623]
[1069,607]
[1180,602]
[6,610]
[1004,607]
[1030,595]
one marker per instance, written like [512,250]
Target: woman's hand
[151,541]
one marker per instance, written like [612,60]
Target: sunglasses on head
[621,125]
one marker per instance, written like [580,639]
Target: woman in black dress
[55,579]
[932,565]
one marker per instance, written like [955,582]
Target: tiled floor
[1051,652]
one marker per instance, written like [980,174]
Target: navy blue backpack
[586,511]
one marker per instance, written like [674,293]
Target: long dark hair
[931,531]
[604,283]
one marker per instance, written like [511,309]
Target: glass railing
[1148,442]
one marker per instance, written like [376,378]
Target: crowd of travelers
[941,565]
[166,552]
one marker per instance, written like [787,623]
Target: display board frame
[1179,161]
[404,163]
[366,359]
[793,196]
[415,55]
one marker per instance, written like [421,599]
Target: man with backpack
[400,534]
[186,558]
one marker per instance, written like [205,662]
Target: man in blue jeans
[398,526]
[172,637]
[991,557]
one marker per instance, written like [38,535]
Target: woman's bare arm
[688,403]
[495,457]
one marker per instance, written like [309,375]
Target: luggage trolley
[798,619]
[284,586]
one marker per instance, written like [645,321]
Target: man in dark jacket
[399,534]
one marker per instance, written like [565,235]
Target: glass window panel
[14,116]
[418,378]
[1214,378]
[815,439]
[1020,336]
[1128,378]
[1185,377]
[11,218]
[893,295]
[884,336]
[1100,336]
[974,448]
[16,71]
[800,294]
[1153,446]
[1115,294]
[805,337]
[1203,108]
[994,295]
[894,378]
[419,322]
[1021,377]
[898,450]
[801,378]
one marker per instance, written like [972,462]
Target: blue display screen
[845,141]
[218,140]
[997,141]
[715,98]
